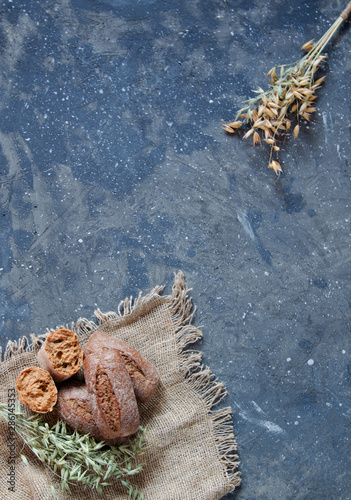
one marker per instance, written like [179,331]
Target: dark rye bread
[36,389]
[74,407]
[61,354]
[144,376]
[113,402]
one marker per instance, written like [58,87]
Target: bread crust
[74,407]
[113,401]
[61,354]
[36,389]
[143,374]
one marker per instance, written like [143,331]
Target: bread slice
[61,354]
[36,389]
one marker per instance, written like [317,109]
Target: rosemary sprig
[78,458]
[272,112]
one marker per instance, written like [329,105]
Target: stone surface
[115,173]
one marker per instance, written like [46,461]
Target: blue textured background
[115,173]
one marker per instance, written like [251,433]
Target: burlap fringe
[22,345]
[190,361]
[27,345]
[139,306]
[202,379]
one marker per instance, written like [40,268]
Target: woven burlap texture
[191,450]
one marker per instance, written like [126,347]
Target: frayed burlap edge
[190,363]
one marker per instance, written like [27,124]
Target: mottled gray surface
[115,173]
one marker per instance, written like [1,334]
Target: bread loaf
[144,376]
[113,402]
[61,354]
[36,389]
[74,407]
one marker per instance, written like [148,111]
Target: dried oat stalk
[275,114]
[78,458]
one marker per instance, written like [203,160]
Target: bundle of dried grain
[274,113]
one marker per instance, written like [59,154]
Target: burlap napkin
[191,451]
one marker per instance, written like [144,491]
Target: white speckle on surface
[246,224]
[310,362]
[257,408]
[271,427]
[80,240]
[343,351]
[288,359]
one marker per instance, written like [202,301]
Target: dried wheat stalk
[276,113]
